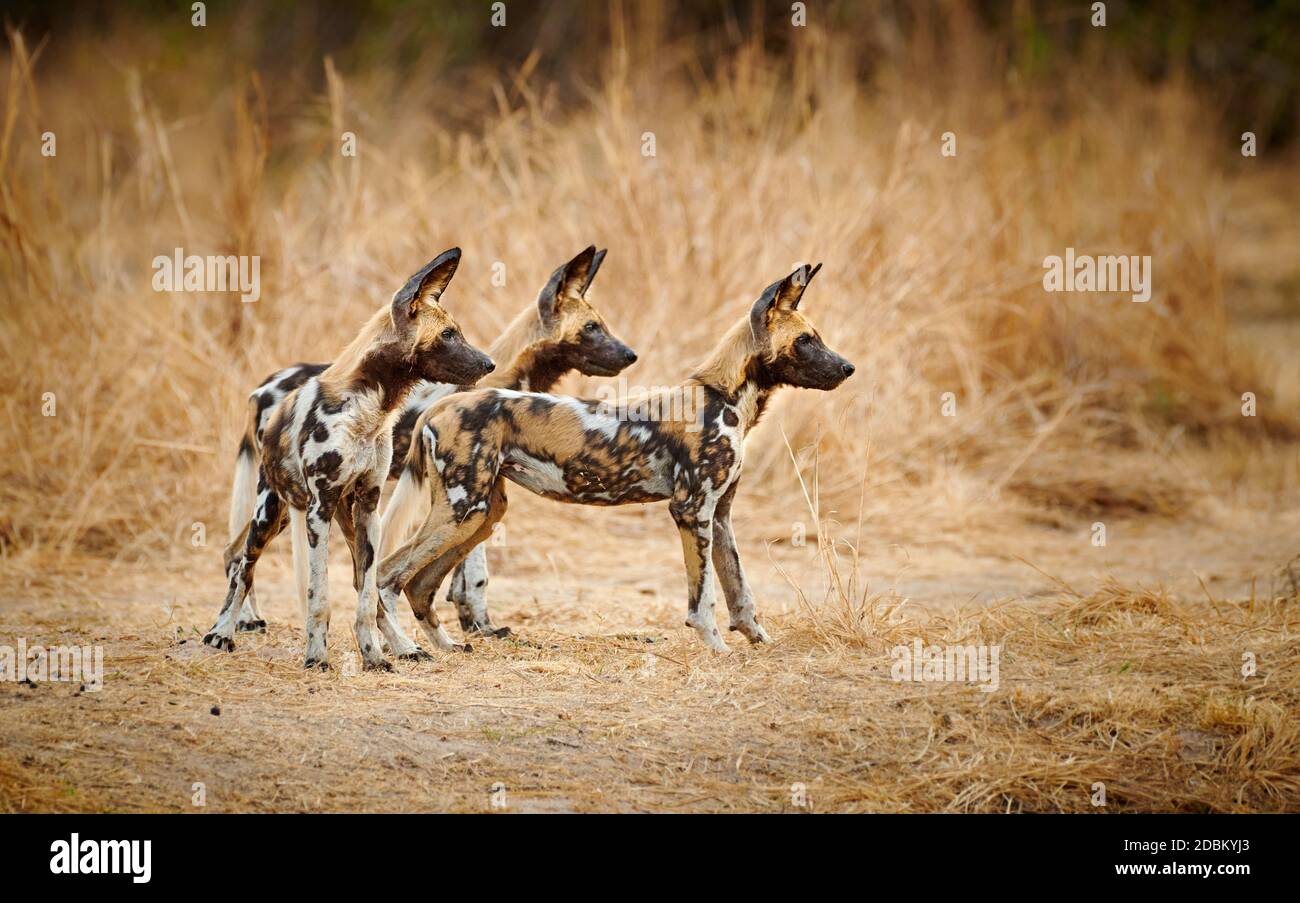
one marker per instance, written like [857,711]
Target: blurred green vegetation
[1243,53]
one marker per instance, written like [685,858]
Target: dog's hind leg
[419,566]
[420,592]
[241,558]
[469,594]
[243,496]
[726,561]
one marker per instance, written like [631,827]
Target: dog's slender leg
[398,643]
[469,594]
[241,558]
[726,561]
[365,521]
[344,517]
[695,524]
[250,618]
[243,498]
[318,611]
[421,591]
[386,617]
[418,568]
[420,564]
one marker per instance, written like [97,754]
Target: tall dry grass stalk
[931,280]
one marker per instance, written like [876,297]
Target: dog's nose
[488,365]
[848,369]
[629,356]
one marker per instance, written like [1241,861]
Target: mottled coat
[326,451]
[560,332]
[572,450]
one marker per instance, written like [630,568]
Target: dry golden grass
[1070,409]
[931,284]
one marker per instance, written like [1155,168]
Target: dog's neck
[376,367]
[735,370]
[537,361]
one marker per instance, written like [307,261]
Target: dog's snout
[848,369]
[629,356]
[488,365]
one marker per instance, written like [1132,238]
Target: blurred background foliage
[525,143]
[1242,55]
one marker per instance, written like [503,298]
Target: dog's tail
[301,558]
[410,497]
[243,494]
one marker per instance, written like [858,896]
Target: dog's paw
[419,655]
[379,664]
[752,631]
[218,641]
[461,647]
[487,631]
[251,626]
[315,664]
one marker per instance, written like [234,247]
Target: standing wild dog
[326,454]
[561,332]
[466,447]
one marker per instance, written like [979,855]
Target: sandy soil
[602,702]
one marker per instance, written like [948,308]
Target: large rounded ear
[595,267]
[425,287]
[758,315]
[570,280]
[784,294]
[792,286]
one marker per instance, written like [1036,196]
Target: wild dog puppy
[467,446]
[558,333]
[326,452]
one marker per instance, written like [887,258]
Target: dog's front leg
[365,522]
[726,560]
[696,528]
[318,611]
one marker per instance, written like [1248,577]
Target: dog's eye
[592,326]
[803,339]
[448,334]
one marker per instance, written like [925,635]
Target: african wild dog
[571,450]
[560,332]
[326,453]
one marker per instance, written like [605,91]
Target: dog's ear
[568,281]
[792,287]
[595,267]
[784,294]
[425,287]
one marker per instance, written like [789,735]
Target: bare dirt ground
[605,702]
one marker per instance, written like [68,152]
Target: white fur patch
[535,474]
